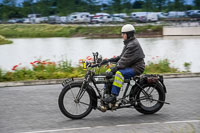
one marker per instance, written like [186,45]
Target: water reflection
[177,49]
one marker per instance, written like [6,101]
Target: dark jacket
[132,56]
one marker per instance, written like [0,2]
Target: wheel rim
[74,107]
[151,100]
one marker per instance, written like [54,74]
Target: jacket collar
[128,40]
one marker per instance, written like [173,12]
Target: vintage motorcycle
[145,93]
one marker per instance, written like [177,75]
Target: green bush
[65,66]
[8,76]
[50,70]
[1,75]
[163,66]
[187,66]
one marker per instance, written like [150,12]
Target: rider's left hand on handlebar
[105,61]
[109,75]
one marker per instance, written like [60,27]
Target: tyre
[153,101]
[72,108]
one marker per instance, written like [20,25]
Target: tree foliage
[12,9]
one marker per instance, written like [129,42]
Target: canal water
[25,50]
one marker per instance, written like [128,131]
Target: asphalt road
[34,109]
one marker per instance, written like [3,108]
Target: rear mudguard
[162,83]
[135,89]
[92,93]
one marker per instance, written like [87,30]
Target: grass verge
[3,40]
[47,30]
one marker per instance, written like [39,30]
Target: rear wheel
[150,99]
[73,107]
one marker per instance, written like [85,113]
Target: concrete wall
[181,31]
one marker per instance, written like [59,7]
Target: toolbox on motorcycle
[152,78]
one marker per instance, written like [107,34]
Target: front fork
[80,93]
[83,89]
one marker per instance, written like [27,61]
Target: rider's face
[124,36]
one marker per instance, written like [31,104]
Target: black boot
[110,99]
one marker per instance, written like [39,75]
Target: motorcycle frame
[90,78]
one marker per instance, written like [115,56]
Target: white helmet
[128,28]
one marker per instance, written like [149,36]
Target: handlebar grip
[95,65]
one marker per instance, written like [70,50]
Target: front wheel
[74,102]
[150,99]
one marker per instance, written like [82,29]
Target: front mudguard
[69,82]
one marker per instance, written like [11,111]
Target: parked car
[27,21]
[101,19]
[117,19]
[121,15]
[34,18]
[188,13]
[145,16]
[44,19]
[176,14]
[161,15]
[19,20]
[54,19]
[34,15]
[102,14]
[79,17]
[12,21]
[63,19]
[136,15]
[194,14]
[152,17]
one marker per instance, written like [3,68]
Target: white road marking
[59,130]
[172,122]
[124,125]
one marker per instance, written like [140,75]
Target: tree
[28,7]
[196,4]
[9,10]
[178,5]
[44,7]
[159,4]
[126,6]
[148,5]
[93,6]
[116,6]
[138,4]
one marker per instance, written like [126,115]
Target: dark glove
[109,75]
[115,59]
[105,61]
[114,69]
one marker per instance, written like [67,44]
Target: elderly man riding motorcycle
[128,64]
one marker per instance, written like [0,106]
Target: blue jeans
[120,75]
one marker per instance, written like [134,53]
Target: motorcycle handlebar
[95,65]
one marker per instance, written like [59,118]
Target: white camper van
[79,17]
[144,16]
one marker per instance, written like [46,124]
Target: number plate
[67,81]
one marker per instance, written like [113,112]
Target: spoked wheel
[150,99]
[75,102]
